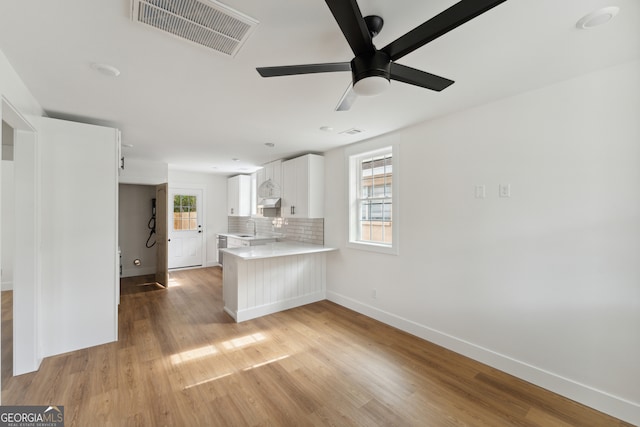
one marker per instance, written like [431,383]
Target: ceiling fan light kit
[371,73]
[373,69]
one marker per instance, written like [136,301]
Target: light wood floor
[181,361]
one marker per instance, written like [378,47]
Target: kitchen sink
[244,235]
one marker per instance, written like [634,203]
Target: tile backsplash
[300,230]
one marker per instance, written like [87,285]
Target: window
[371,197]
[185,214]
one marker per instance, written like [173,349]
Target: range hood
[269,203]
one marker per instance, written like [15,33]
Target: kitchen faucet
[254,226]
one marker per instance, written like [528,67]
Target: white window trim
[352,156]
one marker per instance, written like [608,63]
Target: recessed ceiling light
[597,18]
[106,69]
[270,144]
[127,145]
[235,159]
[326,128]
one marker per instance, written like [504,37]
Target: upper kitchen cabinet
[271,171]
[303,187]
[239,195]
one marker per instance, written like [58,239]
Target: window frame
[354,158]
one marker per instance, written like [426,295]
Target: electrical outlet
[374,293]
[504,190]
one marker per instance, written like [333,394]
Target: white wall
[215,198]
[79,235]
[134,213]
[545,284]
[143,172]
[8,225]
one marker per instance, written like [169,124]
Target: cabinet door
[232,242]
[301,207]
[274,173]
[303,187]
[233,188]
[239,195]
[289,188]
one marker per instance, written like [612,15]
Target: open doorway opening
[142,235]
[20,240]
[7,250]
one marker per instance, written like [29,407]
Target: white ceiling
[196,109]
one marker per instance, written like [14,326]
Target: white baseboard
[589,396]
[7,286]
[138,271]
[263,310]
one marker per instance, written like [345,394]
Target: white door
[162,201]
[185,228]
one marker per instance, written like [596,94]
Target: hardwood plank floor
[181,361]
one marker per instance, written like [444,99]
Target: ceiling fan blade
[437,26]
[405,74]
[347,99]
[289,70]
[350,20]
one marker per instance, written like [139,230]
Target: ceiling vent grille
[352,131]
[210,24]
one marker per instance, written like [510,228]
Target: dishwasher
[222,244]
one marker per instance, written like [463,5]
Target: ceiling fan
[372,69]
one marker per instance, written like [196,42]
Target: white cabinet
[234,242]
[270,171]
[238,242]
[268,184]
[303,187]
[239,195]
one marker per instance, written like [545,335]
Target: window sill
[373,247]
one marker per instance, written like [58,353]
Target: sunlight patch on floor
[243,341]
[196,353]
[174,282]
[257,365]
[248,368]
[212,349]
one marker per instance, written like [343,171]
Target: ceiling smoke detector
[207,23]
[106,69]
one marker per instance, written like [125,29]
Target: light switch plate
[480,191]
[504,190]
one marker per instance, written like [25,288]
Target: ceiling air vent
[207,23]
[352,131]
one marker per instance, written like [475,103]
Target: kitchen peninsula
[265,279]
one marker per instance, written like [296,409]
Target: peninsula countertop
[278,249]
[249,237]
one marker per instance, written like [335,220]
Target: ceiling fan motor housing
[377,64]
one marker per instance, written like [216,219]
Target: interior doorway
[7,250]
[19,234]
